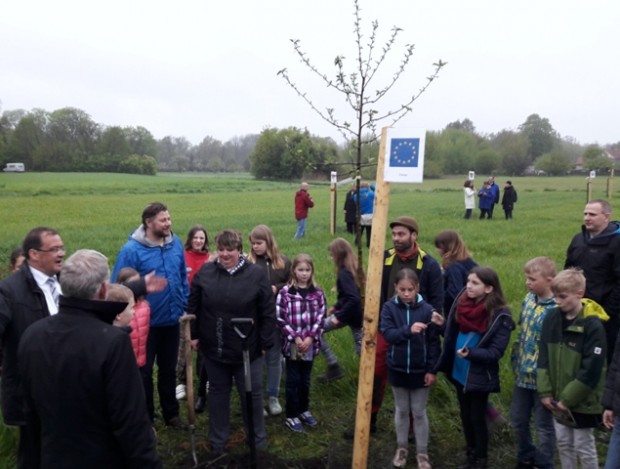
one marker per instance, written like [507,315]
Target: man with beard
[406,253]
[27,296]
[152,247]
[596,251]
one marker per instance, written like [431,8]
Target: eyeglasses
[55,250]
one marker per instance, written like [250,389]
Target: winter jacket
[494,188]
[217,297]
[485,197]
[193,263]
[277,277]
[408,352]
[140,331]
[483,375]
[470,200]
[22,303]
[429,274]
[303,202]
[455,279]
[509,198]
[84,391]
[571,361]
[367,201]
[300,316]
[599,258]
[349,305]
[350,208]
[168,261]
[611,395]
[524,356]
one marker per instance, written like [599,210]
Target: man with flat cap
[406,253]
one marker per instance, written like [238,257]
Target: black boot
[470,459]
[332,373]
[200,405]
[480,463]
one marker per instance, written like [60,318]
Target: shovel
[189,377]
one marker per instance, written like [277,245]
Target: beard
[403,247]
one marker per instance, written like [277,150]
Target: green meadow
[99,211]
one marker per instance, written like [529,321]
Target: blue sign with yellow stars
[404,152]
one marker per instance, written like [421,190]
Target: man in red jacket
[303,202]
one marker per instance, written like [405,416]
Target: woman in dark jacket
[509,199]
[477,334]
[231,287]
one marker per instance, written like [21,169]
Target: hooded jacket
[599,258]
[84,391]
[303,202]
[167,260]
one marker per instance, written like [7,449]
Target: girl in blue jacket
[413,348]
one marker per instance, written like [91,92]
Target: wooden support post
[333,203]
[610,184]
[588,190]
[371,314]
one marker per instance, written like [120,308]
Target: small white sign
[404,155]
[592,174]
[334,177]
[472,175]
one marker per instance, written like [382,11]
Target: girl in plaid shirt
[300,307]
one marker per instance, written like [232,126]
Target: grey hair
[83,274]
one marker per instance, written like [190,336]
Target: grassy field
[99,211]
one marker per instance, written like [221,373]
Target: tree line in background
[69,140]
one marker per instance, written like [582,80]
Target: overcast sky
[204,68]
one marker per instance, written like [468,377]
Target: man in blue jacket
[153,247]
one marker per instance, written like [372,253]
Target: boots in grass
[470,460]
[333,372]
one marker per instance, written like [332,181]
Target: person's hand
[548,403]
[154,283]
[301,344]
[418,327]
[194,344]
[608,419]
[463,352]
[560,405]
[429,379]
[274,289]
[331,311]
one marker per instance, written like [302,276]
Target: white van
[15,168]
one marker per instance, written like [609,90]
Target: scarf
[471,316]
[412,252]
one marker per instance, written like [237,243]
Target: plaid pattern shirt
[300,317]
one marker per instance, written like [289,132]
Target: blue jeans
[613,452]
[273,365]
[162,345]
[301,228]
[526,402]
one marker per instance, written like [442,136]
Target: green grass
[99,211]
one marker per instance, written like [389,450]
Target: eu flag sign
[404,152]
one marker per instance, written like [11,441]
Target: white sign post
[404,155]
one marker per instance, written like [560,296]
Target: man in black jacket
[28,295]
[81,383]
[596,250]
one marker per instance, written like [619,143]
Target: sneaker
[274,406]
[400,458]
[294,424]
[181,392]
[307,418]
[423,461]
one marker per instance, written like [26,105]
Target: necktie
[52,283]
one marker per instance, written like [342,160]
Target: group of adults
[488,198]
[70,380]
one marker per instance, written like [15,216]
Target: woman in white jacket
[470,199]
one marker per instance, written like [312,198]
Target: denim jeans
[576,444]
[525,403]
[298,374]
[329,325]
[162,345]
[301,228]
[613,452]
[273,365]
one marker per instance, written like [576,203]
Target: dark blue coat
[483,375]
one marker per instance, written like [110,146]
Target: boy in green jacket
[571,368]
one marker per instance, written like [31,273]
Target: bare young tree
[363,100]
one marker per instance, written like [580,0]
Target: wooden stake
[371,313]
